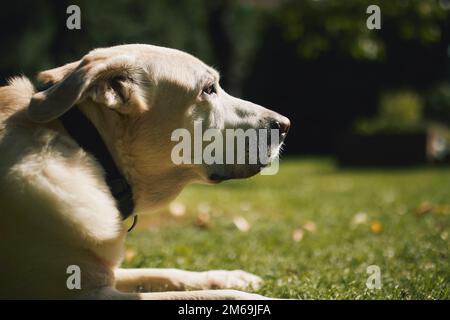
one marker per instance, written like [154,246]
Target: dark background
[315,61]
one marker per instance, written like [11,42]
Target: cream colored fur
[55,207]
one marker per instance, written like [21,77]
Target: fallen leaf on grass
[359,218]
[376,227]
[203,220]
[427,207]
[241,223]
[442,209]
[424,208]
[177,209]
[310,226]
[130,254]
[298,235]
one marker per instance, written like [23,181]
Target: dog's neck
[86,134]
[153,184]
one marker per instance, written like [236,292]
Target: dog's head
[146,101]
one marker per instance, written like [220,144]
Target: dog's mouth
[244,172]
[224,172]
[217,178]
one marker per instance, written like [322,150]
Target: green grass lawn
[397,219]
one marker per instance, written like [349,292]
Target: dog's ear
[110,81]
[52,76]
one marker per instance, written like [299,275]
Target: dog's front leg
[147,280]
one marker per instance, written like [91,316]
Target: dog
[58,208]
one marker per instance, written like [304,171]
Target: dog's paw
[236,279]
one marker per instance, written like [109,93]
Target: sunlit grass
[402,226]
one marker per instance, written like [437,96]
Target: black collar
[86,135]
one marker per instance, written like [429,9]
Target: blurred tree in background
[399,112]
[438,104]
[314,60]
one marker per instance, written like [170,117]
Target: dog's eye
[209,89]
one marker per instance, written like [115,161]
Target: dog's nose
[281,123]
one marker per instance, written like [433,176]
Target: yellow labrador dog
[64,194]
